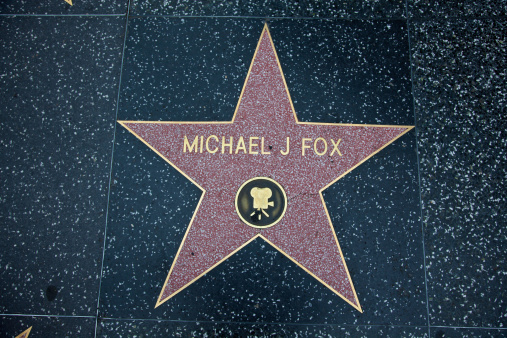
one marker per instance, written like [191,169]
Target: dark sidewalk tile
[445,332]
[375,213]
[460,95]
[59,79]
[186,69]
[272,8]
[139,328]
[61,7]
[346,72]
[11,326]
[456,8]
[152,204]
[337,72]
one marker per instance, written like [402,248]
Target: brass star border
[360,143]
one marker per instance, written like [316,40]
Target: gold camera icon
[261,201]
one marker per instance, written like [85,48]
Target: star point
[25,333]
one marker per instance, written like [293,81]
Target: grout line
[248,323]
[459,18]
[111,166]
[264,17]
[136,16]
[255,323]
[469,327]
[418,169]
[293,324]
[61,15]
[394,18]
[48,316]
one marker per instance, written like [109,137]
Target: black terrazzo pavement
[113,328]
[91,216]
[82,7]
[59,80]
[273,8]
[45,326]
[460,102]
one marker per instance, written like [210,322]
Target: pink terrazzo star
[264,139]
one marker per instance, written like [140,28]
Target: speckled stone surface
[444,332]
[185,69]
[269,142]
[460,97]
[378,9]
[346,71]
[61,7]
[12,326]
[59,83]
[455,9]
[128,328]
[287,293]
[430,269]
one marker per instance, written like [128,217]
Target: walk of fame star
[284,158]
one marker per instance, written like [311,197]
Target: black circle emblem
[261,202]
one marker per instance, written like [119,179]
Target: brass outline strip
[265,30]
